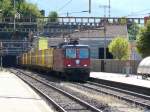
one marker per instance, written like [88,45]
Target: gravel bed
[58,83]
[115,103]
[90,96]
[134,98]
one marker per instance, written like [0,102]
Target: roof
[111,32]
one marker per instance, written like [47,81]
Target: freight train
[71,61]
[144,68]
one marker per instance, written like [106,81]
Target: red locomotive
[70,60]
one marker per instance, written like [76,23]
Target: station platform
[116,77]
[16,96]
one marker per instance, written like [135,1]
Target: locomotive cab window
[83,53]
[70,53]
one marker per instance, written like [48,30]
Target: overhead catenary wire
[138,13]
[65,5]
[141,11]
[72,12]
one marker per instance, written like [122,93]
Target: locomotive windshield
[83,53]
[71,53]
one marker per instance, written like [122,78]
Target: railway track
[138,99]
[62,100]
[129,96]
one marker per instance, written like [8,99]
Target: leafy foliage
[24,8]
[133,31]
[6,8]
[119,48]
[123,21]
[28,9]
[53,16]
[143,40]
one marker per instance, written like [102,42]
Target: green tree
[133,31]
[28,9]
[123,21]
[143,40]
[6,8]
[119,47]
[23,7]
[53,16]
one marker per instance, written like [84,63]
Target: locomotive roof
[78,45]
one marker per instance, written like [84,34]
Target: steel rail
[48,99]
[65,93]
[121,90]
[126,98]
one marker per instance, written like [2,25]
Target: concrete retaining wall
[114,66]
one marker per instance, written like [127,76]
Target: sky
[119,8]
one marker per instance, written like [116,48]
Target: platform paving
[16,96]
[116,77]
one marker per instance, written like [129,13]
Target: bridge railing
[61,24]
[33,20]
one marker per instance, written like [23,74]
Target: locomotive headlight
[69,65]
[85,65]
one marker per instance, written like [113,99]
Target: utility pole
[1,52]
[104,24]
[104,7]
[105,46]
[67,14]
[89,6]
[15,15]
[109,8]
